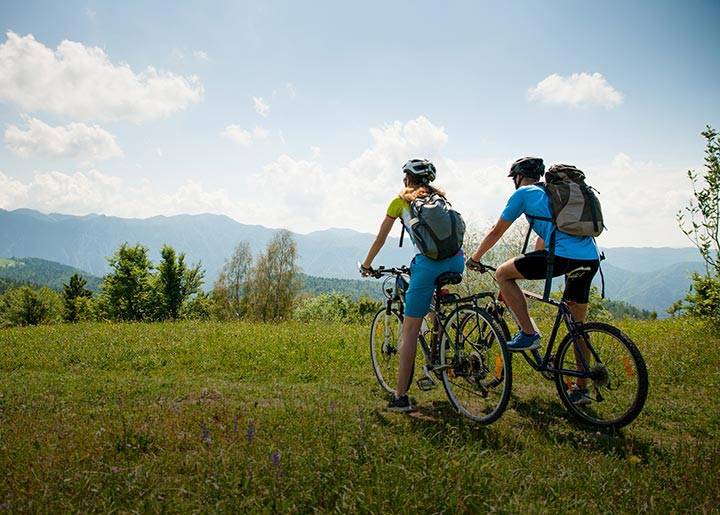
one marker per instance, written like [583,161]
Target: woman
[419,173]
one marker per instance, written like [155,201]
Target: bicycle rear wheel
[618,379]
[476,365]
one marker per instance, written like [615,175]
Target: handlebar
[476,266]
[381,270]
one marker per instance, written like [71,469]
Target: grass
[287,417]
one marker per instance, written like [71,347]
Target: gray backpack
[575,207]
[575,210]
[437,229]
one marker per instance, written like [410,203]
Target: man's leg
[579,312]
[506,276]
[410,331]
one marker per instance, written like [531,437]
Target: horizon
[244,110]
[280,228]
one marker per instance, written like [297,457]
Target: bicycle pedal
[425,384]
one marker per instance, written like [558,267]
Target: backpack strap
[402,231]
[550,265]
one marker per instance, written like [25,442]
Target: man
[577,254]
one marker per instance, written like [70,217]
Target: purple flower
[250,431]
[275,458]
[205,434]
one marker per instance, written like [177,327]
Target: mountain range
[649,278]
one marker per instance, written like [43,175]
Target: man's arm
[491,238]
[539,244]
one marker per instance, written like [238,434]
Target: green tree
[274,281]
[127,290]
[175,283]
[28,306]
[229,288]
[700,221]
[72,291]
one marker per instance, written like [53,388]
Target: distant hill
[85,242]
[649,278]
[15,272]
[42,272]
[356,288]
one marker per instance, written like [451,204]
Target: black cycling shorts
[533,265]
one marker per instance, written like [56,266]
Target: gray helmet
[421,168]
[532,167]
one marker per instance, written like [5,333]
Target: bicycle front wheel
[476,365]
[617,379]
[385,340]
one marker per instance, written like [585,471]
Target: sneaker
[579,396]
[400,404]
[523,341]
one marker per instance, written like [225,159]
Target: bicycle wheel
[385,339]
[476,365]
[618,379]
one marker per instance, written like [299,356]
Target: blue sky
[352,91]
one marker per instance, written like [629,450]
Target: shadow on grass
[547,417]
[443,426]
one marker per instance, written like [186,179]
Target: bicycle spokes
[607,364]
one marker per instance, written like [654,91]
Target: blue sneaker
[579,396]
[523,341]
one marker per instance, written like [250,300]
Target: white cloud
[315,152]
[90,14]
[244,137]
[639,201]
[579,89]
[82,83]
[261,106]
[81,193]
[290,87]
[77,140]
[201,55]
[159,152]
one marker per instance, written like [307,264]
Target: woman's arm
[379,241]
[491,238]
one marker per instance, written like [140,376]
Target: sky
[301,114]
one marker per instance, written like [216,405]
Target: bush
[336,307]
[704,299]
[28,306]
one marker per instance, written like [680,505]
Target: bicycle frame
[544,363]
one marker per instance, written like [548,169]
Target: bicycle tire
[606,380]
[466,378]
[384,356]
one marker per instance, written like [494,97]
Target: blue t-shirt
[532,200]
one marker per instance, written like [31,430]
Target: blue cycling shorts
[423,272]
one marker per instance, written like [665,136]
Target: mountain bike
[462,346]
[595,352]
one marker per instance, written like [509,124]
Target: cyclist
[418,174]
[573,254]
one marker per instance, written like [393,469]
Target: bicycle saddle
[448,278]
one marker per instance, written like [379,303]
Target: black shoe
[400,404]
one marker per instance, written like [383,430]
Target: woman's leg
[408,349]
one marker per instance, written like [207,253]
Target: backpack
[575,210]
[438,229]
[575,207]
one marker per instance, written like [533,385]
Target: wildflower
[250,431]
[275,458]
[205,434]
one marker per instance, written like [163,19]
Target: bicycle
[475,371]
[618,381]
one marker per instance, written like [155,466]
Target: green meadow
[287,417]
